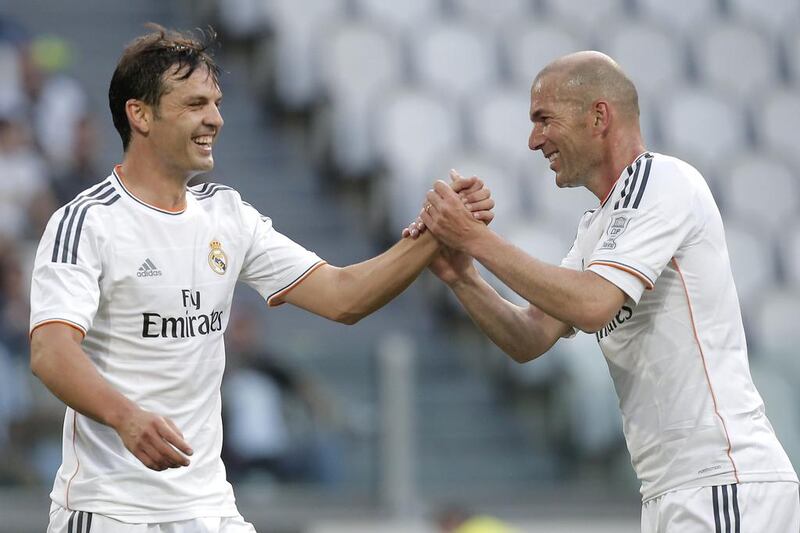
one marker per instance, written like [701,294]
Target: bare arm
[524,333]
[582,299]
[350,293]
[58,360]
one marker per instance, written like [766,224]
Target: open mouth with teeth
[553,157]
[204,141]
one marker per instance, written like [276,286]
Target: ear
[601,116]
[140,116]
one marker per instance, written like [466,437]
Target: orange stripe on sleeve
[647,283]
[277,299]
[57,321]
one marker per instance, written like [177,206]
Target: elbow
[348,319]
[37,362]
[593,320]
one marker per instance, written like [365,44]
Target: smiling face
[186,123]
[562,130]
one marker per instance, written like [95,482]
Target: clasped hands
[453,212]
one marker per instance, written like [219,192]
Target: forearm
[522,333]
[367,286]
[573,297]
[69,374]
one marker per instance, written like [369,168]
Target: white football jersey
[676,349]
[151,291]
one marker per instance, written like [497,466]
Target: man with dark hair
[649,276]
[131,292]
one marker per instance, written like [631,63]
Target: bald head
[589,76]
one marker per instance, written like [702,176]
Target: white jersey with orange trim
[151,290]
[676,349]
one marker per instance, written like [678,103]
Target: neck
[152,184]
[620,155]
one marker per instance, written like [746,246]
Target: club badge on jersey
[217,259]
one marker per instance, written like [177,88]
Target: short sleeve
[274,264]
[638,243]
[65,285]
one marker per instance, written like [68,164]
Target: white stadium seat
[792,47]
[761,190]
[752,257]
[455,59]
[497,13]
[735,57]
[789,244]
[776,123]
[402,18]
[774,16]
[530,46]
[585,15]
[679,16]
[298,27]
[411,127]
[499,123]
[586,397]
[652,57]
[498,177]
[778,389]
[775,329]
[359,64]
[702,127]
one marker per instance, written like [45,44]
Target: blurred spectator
[81,172]
[277,419]
[14,307]
[23,187]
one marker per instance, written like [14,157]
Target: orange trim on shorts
[647,283]
[273,301]
[65,322]
[705,369]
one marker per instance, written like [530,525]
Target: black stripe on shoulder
[89,523]
[71,520]
[75,208]
[214,189]
[633,183]
[645,176]
[94,192]
[77,239]
[630,185]
[735,498]
[80,521]
[203,187]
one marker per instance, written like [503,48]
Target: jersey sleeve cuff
[276,298]
[628,279]
[77,327]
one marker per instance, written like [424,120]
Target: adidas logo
[148,269]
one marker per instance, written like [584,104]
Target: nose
[214,117]
[536,139]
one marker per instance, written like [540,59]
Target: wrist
[464,278]
[117,416]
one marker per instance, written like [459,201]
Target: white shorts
[772,507]
[64,521]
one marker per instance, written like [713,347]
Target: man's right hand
[154,440]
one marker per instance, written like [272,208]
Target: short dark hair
[145,62]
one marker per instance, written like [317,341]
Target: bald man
[649,276]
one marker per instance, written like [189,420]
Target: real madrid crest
[217,259]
